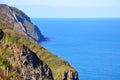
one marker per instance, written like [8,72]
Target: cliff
[20,21]
[22,58]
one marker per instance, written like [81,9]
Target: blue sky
[67,8]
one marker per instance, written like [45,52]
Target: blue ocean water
[91,46]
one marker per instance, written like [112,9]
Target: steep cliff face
[68,75]
[23,62]
[29,66]
[20,21]
[22,58]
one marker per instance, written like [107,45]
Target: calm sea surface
[91,46]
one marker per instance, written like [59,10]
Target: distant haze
[68,8]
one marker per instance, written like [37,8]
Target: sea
[90,45]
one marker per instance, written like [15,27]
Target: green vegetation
[4,63]
[5,67]
[14,40]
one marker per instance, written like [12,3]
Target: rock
[30,67]
[68,75]
[20,21]
[1,34]
[24,63]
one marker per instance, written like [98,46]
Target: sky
[67,8]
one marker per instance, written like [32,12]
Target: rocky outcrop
[20,21]
[68,75]
[1,34]
[30,67]
[30,61]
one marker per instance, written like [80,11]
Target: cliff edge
[21,57]
[20,21]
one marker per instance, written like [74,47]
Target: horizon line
[75,18]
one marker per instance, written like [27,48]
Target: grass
[17,38]
[4,63]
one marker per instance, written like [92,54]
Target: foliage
[17,38]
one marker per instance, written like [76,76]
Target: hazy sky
[67,8]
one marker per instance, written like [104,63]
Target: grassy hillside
[12,43]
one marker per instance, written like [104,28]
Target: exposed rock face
[20,21]
[68,75]
[1,34]
[30,67]
[24,63]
